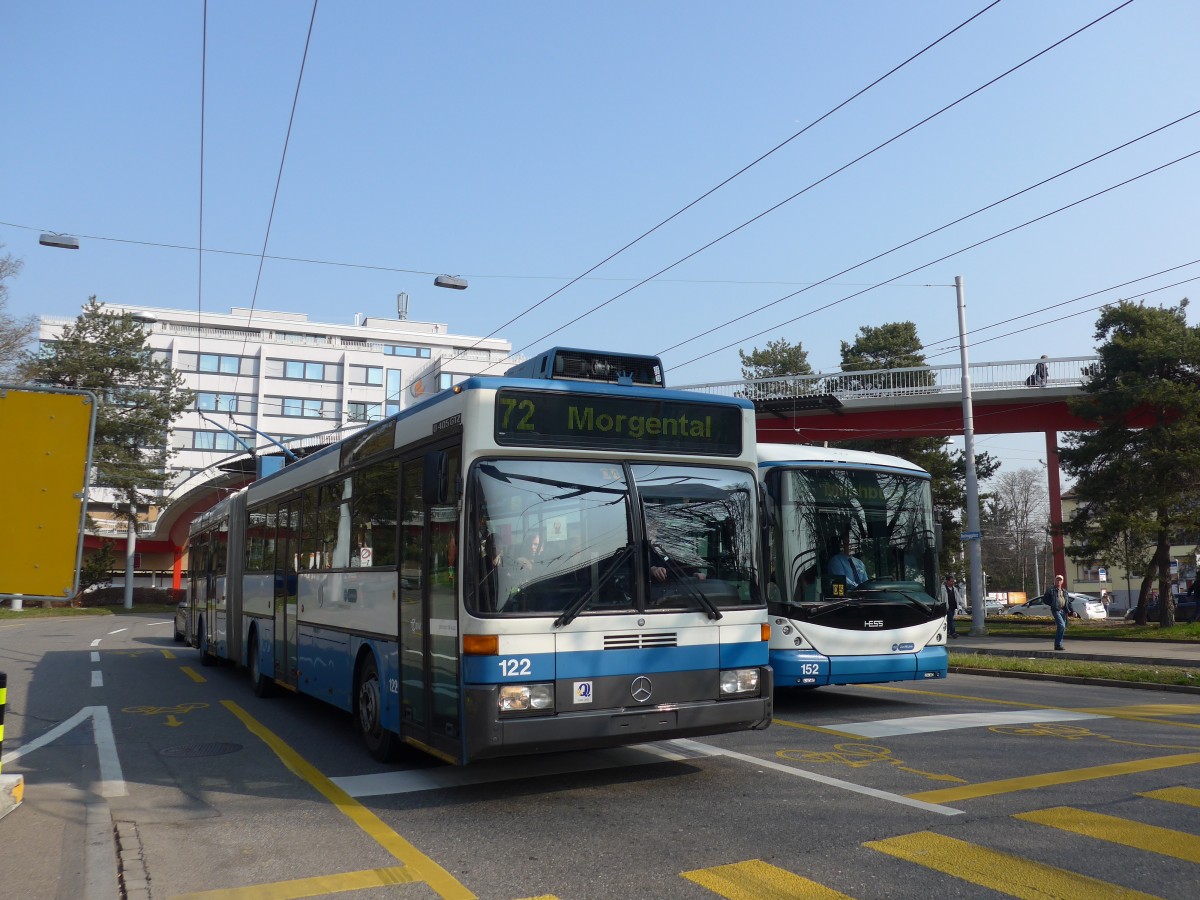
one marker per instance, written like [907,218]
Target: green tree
[96,570]
[1137,471]
[137,397]
[778,360]
[896,345]
[14,333]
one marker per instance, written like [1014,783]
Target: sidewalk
[1142,653]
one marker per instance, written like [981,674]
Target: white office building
[260,374]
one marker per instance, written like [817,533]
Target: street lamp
[62,241]
[450,281]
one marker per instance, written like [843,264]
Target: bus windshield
[852,532]
[561,539]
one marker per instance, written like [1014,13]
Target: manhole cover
[201,750]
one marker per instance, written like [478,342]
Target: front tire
[368,710]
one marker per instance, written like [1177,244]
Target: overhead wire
[943,258]
[934,231]
[819,181]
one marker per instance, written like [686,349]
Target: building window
[372,375]
[364,412]
[302,407]
[218,440]
[221,364]
[397,350]
[301,370]
[392,392]
[210,401]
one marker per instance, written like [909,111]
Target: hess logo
[873,623]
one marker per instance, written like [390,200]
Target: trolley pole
[972,534]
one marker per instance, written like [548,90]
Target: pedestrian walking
[948,594]
[1058,602]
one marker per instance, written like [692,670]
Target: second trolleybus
[566,556]
[853,588]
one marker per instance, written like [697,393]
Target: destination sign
[598,422]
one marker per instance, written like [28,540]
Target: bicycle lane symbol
[171,712]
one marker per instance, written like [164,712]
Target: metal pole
[130,552]
[974,560]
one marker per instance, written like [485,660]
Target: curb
[1185,663]
[1075,679]
[12,792]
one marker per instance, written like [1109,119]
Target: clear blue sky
[519,144]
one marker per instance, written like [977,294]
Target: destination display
[598,422]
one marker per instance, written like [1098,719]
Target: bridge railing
[1063,371]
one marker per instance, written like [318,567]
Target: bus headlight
[739,681]
[526,698]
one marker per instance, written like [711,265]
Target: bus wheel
[381,743]
[202,643]
[263,686]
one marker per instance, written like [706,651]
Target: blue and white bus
[393,574]
[852,568]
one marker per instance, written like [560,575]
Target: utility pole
[972,534]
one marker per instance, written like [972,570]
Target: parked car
[1081,604]
[1185,611]
[991,608]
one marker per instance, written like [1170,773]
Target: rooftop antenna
[402,305]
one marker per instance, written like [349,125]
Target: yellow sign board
[45,456]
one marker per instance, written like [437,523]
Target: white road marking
[118,631]
[97,678]
[95,656]
[440,778]
[928,724]
[112,780]
[825,779]
[96,642]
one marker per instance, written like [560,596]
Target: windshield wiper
[692,591]
[582,601]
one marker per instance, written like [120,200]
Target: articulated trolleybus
[852,557]
[563,557]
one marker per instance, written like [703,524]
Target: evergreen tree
[137,398]
[1136,472]
[779,360]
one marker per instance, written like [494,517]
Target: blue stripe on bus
[749,653]
[809,668]
[597,663]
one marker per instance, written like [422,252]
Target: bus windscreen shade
[600,422]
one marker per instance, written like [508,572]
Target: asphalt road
[175,780]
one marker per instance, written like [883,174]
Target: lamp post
[972,535]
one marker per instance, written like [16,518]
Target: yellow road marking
[439,880]
[1001,872]
[1184,795]
[1152,838]
[310,887]
[193,674]
[1154,709]
[757,880]
[816,728]
[1030,782]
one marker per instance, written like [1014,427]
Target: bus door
[428,608]
[286,548]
